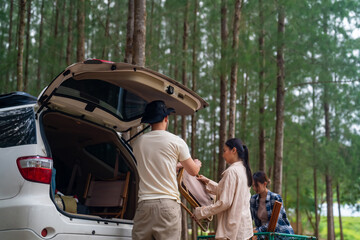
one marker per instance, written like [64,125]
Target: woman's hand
[203,179]
[197,213]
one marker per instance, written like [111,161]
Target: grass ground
[351,228]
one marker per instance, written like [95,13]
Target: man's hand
[197,162]
[191,166]
[178,166]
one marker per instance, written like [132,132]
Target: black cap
[155,111]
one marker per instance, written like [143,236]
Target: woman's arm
[226,189]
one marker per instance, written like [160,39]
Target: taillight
[35,168]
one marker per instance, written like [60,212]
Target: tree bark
[105,53]
[244,103]
[80,53]
[339,209]
[27,46]
[194,74]
[62,27]
[129,41]
[70,36]
[184,63]
[7,80]
[193,117]
[330,214]
[184,230]
[328,177]
[280,106]
[223,87]
[151,33]
[298,216]
[56,28]
[176,68]
[129,32]
[262,146]
[38,82]
[20,55]
[234,68]
[316,204]
[139,39]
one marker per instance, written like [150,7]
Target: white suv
[53,147]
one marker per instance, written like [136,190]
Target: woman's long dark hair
[243,153]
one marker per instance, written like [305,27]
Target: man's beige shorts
[157,219]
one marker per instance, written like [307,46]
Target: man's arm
[191,166]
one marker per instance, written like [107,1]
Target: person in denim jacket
[262,203]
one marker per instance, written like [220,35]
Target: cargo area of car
[95,174]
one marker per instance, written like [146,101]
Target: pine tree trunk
[314,170]
[27,46]
[184,230]
[151,33]
[129,32]
[139,42]
[316,205]
[194,74]
[176,68]
[106,37]
[129,42]
[7,80]
[56,28]
[80,53]
[234,68]
[223,87]
[193,117]
[330,214]
[38,82]
[262,146]
[280,97]
[328,178]
[244,103]
[339,208]
[70,36]
[298,218]
[55,44]
[139,39]
[22,11]
[62,27]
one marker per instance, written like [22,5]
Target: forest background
[283,75]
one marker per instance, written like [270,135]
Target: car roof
[16,99]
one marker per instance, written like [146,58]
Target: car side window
[17,127]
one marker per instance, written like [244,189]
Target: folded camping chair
[107,198]
[196,195]
[274,216]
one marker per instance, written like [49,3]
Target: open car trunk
[83,151]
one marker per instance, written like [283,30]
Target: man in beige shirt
[158,215]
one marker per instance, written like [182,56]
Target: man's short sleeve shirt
[157,153]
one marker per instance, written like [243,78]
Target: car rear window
[111,98]
[17,127]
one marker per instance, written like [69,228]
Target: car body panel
[33,205]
